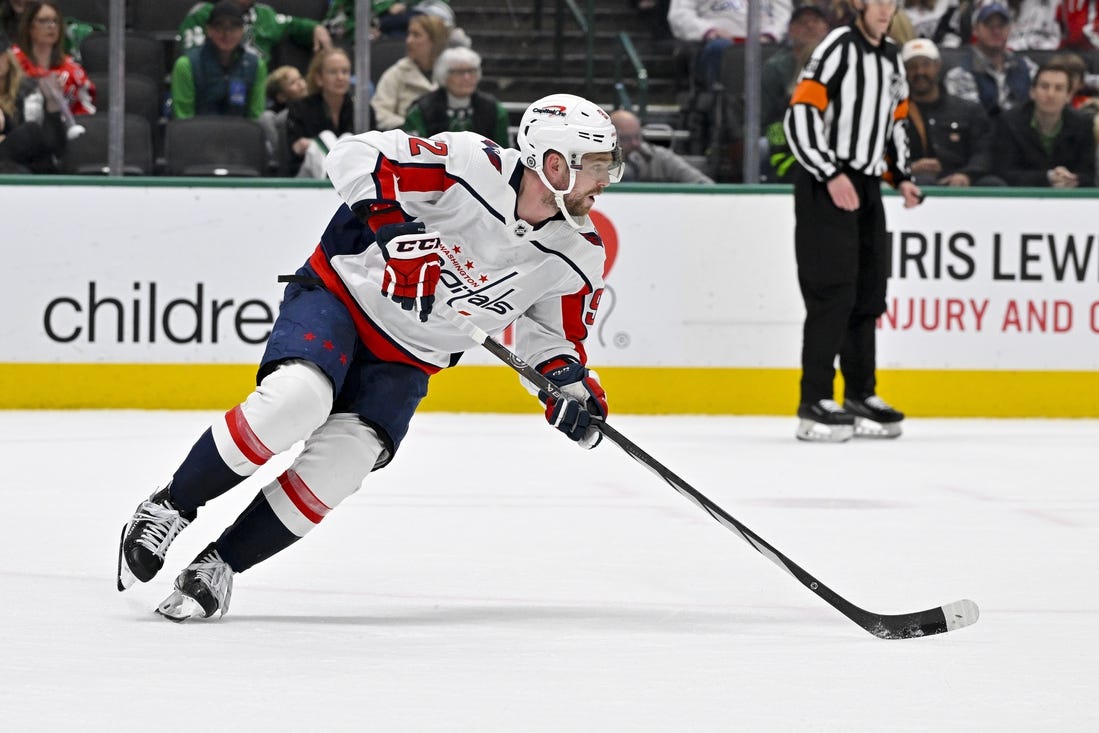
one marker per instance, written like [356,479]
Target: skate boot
[874,418]
[824,421]
[147,536]
[201,590]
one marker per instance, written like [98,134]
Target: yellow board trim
[631,390]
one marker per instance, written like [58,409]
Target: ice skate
[147,536]
[201,590]
[824,421]
[874,417]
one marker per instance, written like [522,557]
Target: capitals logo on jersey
[492,150]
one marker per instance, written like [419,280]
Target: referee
[845,126]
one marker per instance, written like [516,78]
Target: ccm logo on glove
[412,265]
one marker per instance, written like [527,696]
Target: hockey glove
[412,265]
[584,401]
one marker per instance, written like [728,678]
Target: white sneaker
[201,590]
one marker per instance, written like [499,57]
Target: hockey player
[500,236]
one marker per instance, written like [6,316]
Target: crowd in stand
[985,78]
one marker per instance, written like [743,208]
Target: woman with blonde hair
[315,123]
[412,76]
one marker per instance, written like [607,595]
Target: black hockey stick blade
[937,620]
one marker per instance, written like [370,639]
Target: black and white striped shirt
[848,108]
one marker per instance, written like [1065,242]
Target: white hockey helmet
[572,126]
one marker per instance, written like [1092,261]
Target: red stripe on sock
[247,442]
[303,497]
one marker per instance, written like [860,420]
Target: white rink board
[703,280]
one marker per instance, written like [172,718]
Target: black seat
[144,54]
[289,53]
[385,52]
[161,18]
[313,9]
[96,12]
[143,96]
[215,146]
[87,154]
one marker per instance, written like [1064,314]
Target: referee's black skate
[874,417]
[824,421]
[201,590]
[146,537]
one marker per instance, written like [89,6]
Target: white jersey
[497,269]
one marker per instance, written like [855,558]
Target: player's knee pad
[287,406]
[332,465]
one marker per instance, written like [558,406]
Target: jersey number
[589,316]
[417,145]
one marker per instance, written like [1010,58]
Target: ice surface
[497,578]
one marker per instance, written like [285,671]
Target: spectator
[989,73]
[650,163]
[457,105]
[779,75]
[389,20]
[285,85]
[40,53]
[932,19]
[264,28]
[410,77]
[1034,25]
[949,138]
[719,25]
[1079,20]
[32,135]
[220,77]
[328,108]
[75,30]
[1045,142]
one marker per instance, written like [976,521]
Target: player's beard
[577,203]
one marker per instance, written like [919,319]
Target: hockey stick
[938,620]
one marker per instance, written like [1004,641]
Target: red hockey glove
[412,265]
[585,401]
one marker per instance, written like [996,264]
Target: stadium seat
[215,146]
[144,54]
[87,154]
[159,17]
[96,12]
[143,96]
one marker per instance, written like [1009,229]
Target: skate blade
[867,428]
[179,607]
[815,432]
[125,577]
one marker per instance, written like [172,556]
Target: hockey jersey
[545,277]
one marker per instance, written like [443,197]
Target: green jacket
[200,86]
[264,28]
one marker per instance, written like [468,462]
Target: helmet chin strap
[559,197]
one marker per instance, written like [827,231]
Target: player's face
[335,74]
[593,176]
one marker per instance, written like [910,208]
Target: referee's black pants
[843,263]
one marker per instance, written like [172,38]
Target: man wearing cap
[808,27]
[991,74]
[220,77]
[949,138]
[264,28]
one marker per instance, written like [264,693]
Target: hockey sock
[202,476]
[255,536]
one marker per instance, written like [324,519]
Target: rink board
[159,294]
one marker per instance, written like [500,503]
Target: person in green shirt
[220,77]
[456,105]
[264,28]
